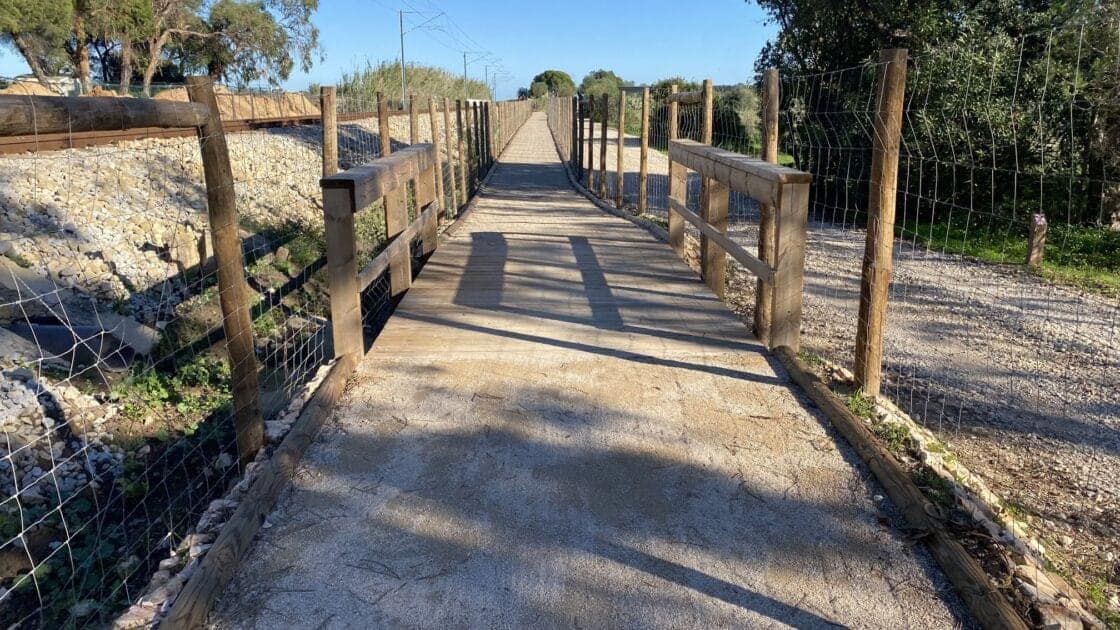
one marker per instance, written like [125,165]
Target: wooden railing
[352,191]
[782,191]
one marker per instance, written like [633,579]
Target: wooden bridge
[561,426]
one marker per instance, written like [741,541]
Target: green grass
[1097,594]
[1082,256]
[860,404]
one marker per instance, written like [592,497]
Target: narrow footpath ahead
[561,426]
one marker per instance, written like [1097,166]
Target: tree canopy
[602,82]
[233,40]
[556,82]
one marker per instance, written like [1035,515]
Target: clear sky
[640,41]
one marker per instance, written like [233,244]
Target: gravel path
[561,427]
[1021,377]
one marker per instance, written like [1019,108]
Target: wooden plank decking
[561,426]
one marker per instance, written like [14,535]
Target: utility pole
[400,15]
[464,75]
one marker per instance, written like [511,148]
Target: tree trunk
[126,67]
[29,56]
[155,50]
[81,52]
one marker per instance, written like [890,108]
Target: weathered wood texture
[233,292]
[713,205]
[643,160]
[620,152]
[395,199]
[735,250]
[764,295]
[31,115]
[678,189]
[413,123]
[463,166]
[218,566]
[433,121]
[590,185]
[753,177]
[786,189]
[342,266]
[384,175]
[605,107]
[879,247]
[452,180]
[327,106]
[990,607]
[1036,243]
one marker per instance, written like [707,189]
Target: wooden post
[434,123]
[591,143]
[342,263]
[606,107]
[477,117]
[413,128]
[233,292]
[677,182]
[579,139]
[643,163]
[880,221]
[425,187]
[792,216]
[396,210]
[573,146]
[488,134]
[453,205]
[713,209]
[329,116]
[620,165]
[466,193]
[764,294]
[1036,245]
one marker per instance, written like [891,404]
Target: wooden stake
[573,142]
[791,223]
[591,143]
[330,129]
[606,107]
[1036,245]
[396,210]
[465,192]
[453,204]
[643,163]
[764,295]
[620,165]
[713,209]
[413,127]
[880,221]
[434,123]
[677,182]
[233,292]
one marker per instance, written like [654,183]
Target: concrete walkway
[561,427]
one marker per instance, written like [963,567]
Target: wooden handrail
[369,182]
[30,115]
[783,189]
[755,178]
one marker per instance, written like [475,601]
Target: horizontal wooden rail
[380,263]
[371,181]
[784,189]
[349,192]
[29,115]
[686,98]
[755,178]
[733,249]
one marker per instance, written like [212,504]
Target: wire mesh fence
[120,451]
[1001,332]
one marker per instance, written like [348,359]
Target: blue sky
[641,41]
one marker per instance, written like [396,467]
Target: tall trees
[237,40]
[37,29]
[556,82]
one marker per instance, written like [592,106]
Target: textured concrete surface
[562,427]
